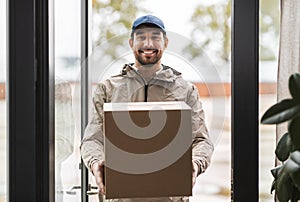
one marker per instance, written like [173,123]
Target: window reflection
[67,66]
[3,104]
[64,130]
[268,64]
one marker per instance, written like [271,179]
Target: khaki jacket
[130,86]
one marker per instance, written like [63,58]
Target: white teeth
[148,52]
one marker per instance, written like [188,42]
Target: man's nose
[148,43]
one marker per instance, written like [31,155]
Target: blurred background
[202,30]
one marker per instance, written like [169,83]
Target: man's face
[148,45]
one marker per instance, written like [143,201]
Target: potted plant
[287,175]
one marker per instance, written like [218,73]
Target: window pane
[199,47]
[3,115]
[268,64]
[67,65]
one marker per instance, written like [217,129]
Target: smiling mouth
[148,51]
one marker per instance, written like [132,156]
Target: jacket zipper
[146,93]
[146,85]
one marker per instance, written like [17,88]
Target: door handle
[92,190]
[72,191]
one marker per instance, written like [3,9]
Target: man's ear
[166,42]
[130,41]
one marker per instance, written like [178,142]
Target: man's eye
[156,38]
[141,38]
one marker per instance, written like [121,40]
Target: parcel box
[147,149]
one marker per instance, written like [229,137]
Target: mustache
[141,50]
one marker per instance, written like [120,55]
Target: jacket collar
[166,74]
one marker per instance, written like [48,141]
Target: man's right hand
[98,172]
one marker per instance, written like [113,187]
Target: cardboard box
[147,149]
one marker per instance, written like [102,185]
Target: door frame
[244,101]
[30,111]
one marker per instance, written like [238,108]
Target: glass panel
[67,65]
[268,64]
[199,47]
[3,115]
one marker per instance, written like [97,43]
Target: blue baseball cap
[148,19]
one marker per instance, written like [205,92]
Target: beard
[148,61]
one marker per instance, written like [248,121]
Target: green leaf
[294,131]
[285,110]
[284,181]
[295,174]
[295,195]
[296,179]
[290,167]
[284,147]
[283,188]
[275,171]
[294,86]
[295,156]
[274,184]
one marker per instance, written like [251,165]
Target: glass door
[203,56]
[66,33]
[199,48]
[73,71]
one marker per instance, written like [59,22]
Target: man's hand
[98,172]
[195,173]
